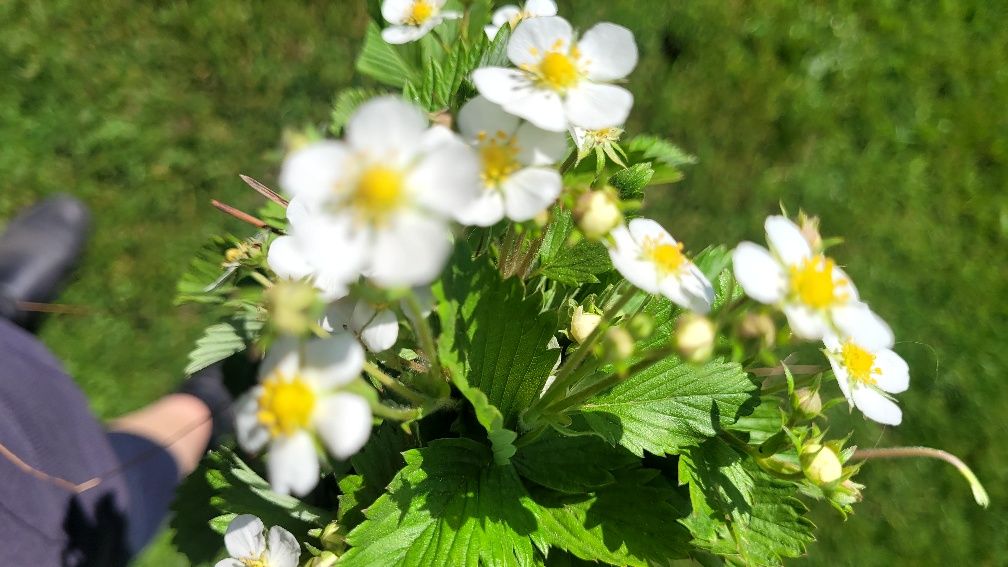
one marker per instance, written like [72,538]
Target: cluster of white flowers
[821,303]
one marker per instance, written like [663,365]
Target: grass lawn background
[888,119]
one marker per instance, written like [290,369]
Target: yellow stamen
[500,157]
[379,190]
[254,562]
[813,283]
[667,257]
[421,12]
[860,364]
[285,406]
[559,70]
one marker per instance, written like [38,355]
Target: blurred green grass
[888,119]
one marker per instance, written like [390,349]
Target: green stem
[759,459]
[979,493]
[392,384]
[263,280]
[569,163]
[425,334]
[403,414]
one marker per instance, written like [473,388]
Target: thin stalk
[261,279]
[979,493]
[405,414]
[425,334]
[240,215]
[264,190]
[392,384]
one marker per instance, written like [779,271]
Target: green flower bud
[694,338]
[332,537]
[325,559]
[597,213]
[619,344]
[293,306]
[821,464]
[759,326]
[641,326]
[583,323]
[808,402]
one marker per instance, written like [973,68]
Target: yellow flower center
[860,364]
[379,190]
[255,563]
[500,157]
[285,406]
[813,283]
[559,70]
[668,257]
[421,12]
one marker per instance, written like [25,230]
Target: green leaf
[669,406]
[449,506]
[578,264]
[381,61]
[557,233]
[501,438]
[631,522]
[222,340]
[346,103]
[739,511]
[667,158]
[494,334]
[572,465]
[205,281]
[630,182]
[376,464]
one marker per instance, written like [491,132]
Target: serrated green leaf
[630,182]
[739,511]
[376,464]
[555,237]
[630,522]
[222,340]
[669,406]
[346,104]
[197,284]
[381,61]
[449,506]
[572,465]
[666,158]
[501,438]
[578,264]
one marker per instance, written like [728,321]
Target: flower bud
[619,344]
[332,537]
[641,326]
[542,218]
[759,326]
[325,559]
[597,213]
[293,306]
[810,230]
[821,464]
[582,324]
[694,338]
[808,402]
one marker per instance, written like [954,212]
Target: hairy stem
[979,493]
[392,384]
[425,334]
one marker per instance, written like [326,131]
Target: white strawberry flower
[866,376]
[562,81]
[413,19]
[649,258]
[302,396]
[388,191]
[518,181]
[815,294]
[248,546]
[376,328]
[512,15]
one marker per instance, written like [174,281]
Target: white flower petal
[696,290]
[292,464]
[486,210]
[540,147]
[244,538]
[643,228]
[625,256]
[284,549]
[502,85]
[597,105]
[894,373]
[541,107]
[398,35]
[312,172]
[504,14]
[229,562]
[344,423]
[388,129]
[535,37]
[378,329]
[481,116]
[337,316]
[447,178]
[786,240]
[875,406]
[299,211]
[540,8]
[609,52]
[282,357]
[530,191]
[334,361]
[410,250]
[396,11]
[844,284]
[840,371]
[286,259]
[805,323]
[759,274]
[858,322]
[491,31]
[252,436]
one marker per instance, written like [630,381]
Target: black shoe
[38,250]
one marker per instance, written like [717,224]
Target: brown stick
[264,190]
[60,308]
[240,215]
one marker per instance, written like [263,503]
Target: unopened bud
[597,213]
[695,337]
[325,559]
[619,344]
[332,537]
[541,219]
[821,464]
[810,230]
[808,402]
[582,324]
[293,306]
[641,326]
[759,326]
